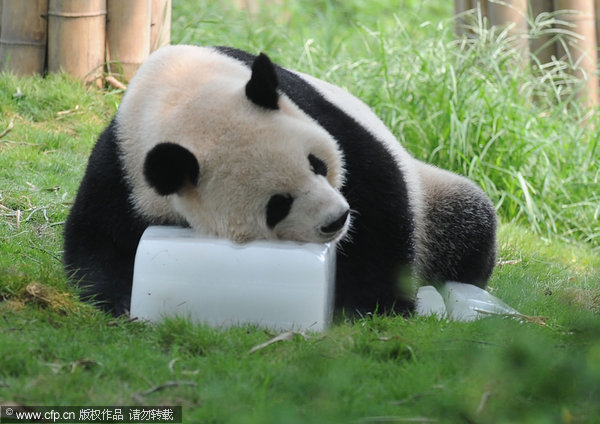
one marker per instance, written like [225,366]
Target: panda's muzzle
[336,225]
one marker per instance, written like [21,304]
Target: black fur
[318,166]
[278,208]
[169,166]
[102,230]
[262,87]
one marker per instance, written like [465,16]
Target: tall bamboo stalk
[23,36]
[76,37]
[582,50]
[513,15]
[160,26]
[542,46]
[461,22]
[128,34]
[597,10]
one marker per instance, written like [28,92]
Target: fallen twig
[168,384]
[35,188]
[509,262]
[139,397]
[34,210]
[112,81]
[172,368]
[484,398]
[287,336]
[66,112]
[84,363]
[11,124]
[18,143]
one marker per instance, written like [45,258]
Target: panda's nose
[337,224]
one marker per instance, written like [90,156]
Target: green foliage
[486,117]
[462,105]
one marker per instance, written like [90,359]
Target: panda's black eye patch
[278,208]
[317,165]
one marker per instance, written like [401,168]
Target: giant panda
[234,146]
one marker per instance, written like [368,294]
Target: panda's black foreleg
[371,278]
[106,282]
[99,258]
[103,230]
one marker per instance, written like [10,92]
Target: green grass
[378,366]
[533,150]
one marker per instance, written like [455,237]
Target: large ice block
[273,284]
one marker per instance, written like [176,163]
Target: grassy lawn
[518,134]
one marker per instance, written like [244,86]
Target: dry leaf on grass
[49,297]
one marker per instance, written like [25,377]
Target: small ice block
[465,302]
[274,284]
[430,302]
[460,302]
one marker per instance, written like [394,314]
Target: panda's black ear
[169,166]
[262,86]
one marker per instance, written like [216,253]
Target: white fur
[195,97]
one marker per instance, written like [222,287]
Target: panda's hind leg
[456,232]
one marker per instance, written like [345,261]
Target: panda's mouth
[331,227]
[333,238]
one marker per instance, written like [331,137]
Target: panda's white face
[229,166]
[257,192]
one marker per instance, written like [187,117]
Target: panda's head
[243,162]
